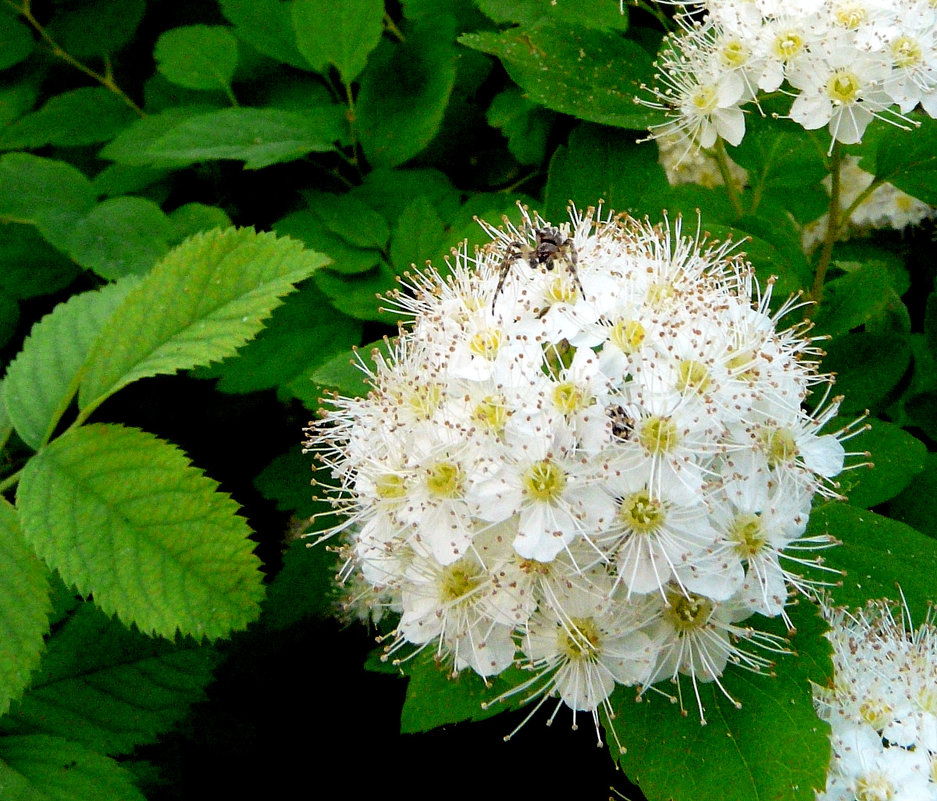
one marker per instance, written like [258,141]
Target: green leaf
[778,156]
[735,757]
[867,366]
[121,236]
[192,218]
[40,768]
[854,299]
[130,146]
[9,316]
[204,300]
[344,374]
[908,159]
[16,43]
[198,56]
[80,117]
[878,555]
[361,295]
[266,25]
[302,334]
[312,231]
[30,266]
[24,608]
[594,75]
[342,35]
[404,93]
[389,192]
[604,164]
[525,124]
[17,99]
[917,503]
[114,696]
[43,378]
[122,515]
[257,136]
[49,194]
[418,236]
[121,179]
[96,28]
[597,14]
[897,457]
[350,218]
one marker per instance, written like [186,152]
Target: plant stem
[106,79]
[833,223]
[722,159]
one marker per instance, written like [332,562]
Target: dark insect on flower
[551,246]
[622,424]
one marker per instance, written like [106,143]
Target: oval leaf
[122,515]
[198,56]
[204,300]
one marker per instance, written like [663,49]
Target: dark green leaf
[338,34]
[879,555]
[198,56]
[29,266]
[121,236]
[131,145]
[361,295]
[525,124]
[917,503]
[591,13]
[257,136]
[594,75]
[16,42]
[389,192]
[908,159]
[312,231]
[854,299]
[350,218]
[266,25]
[193,218]
[344,372]
[735,756]
[96,27]
[897,457]
[404,93]
[418,236]
[867,366]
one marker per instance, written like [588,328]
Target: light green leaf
[341,34]
[594,75]
[204,300]
[198,56]
[266,25]
[122,515]
[80,117]
[24,608]
[192,218]
[40,768]
[897,458]
[878,555]
[121,236]
[404,93]
[16,43]
[49,194]
[302,334]
[130,146]
[119,694]
[735,756]
[43,378]
[344,373]
[257,136]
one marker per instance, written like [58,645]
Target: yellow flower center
[486,344]
[851,14]
[686,614]
[569,398]
[780,447]
[788,44]
[445,480]
[581,640]
[843,86]
[459,579]
[704,99]
[692,376]
[906,52]
[390,485]
[641,513]
[748,535]
[424,400]
[874,787]
[875,712]
[627,335]
[544,481]
[561,289]
[734,53]
[658,434]
[491,412]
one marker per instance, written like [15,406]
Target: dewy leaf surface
[40,768]
[43,377]
[119,694]
[24,608]
[204,300]
[122,515]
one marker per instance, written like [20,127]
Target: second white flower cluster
[586,457]
[845,62]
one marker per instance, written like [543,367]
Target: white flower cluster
[694,167]
[882,707]
[885,207]
[844,62]
[587,457]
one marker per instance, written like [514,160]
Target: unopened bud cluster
[586,456]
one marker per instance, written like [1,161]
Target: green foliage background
[200,204]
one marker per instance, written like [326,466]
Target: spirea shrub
[587,456]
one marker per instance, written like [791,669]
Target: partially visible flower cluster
[844,62]
[586,456]
[885,207]
[882,707]
[694,167]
